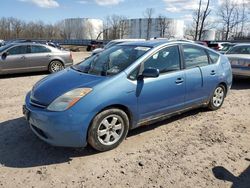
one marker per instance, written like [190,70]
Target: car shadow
[240,83]
[20,148]
[242,181]
[17,75]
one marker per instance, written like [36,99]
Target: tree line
[13,28]
[231,20]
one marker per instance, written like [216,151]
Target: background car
[2,43]
[239,57]
[32,57]
[227,47]
[113,43]
[217,45]
[93,45]
[131,84]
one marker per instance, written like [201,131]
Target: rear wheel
[108,129]
[55,66]
[218,97]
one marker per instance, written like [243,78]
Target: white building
[83,28]
[170,28]
[209,34]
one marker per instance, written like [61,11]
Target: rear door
[201,74]
[39,57]
[196,73]
[15,61]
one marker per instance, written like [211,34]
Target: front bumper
[67,129]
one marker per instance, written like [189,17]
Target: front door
[164,94]
[15,61]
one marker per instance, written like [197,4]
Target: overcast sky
[51,11]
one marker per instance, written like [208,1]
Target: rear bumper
[66,129]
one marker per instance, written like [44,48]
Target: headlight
[68,99]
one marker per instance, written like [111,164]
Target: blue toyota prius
[99,100]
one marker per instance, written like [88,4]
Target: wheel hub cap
[110,130]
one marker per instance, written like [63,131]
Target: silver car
[32,57]
[239,57]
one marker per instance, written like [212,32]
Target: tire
[108,129]
[217,98]
[55,66]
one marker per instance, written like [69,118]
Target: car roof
[148,43]
[243,44]
[155,43]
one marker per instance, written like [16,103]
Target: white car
[1,42]
[239,57]
[113,43]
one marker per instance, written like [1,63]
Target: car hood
[49,88]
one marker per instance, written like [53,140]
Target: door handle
[23,57]
[48,56]
[179,80]
[213,72]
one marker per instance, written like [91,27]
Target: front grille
[37,104]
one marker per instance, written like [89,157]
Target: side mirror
[4,55]
[150,73]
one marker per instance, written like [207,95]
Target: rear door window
[194,56]
[39,49]
[214,57]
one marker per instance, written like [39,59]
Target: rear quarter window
[214,57]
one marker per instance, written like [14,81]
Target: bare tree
[242,16]
[17,26]
[205,14]
[163,25]
[229,16]
[196,18]
[200,19]
[148,14]
[124,27]
[115,27]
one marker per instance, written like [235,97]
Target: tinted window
[18,50]
[166,60]
[240,50]
[213,56]
[194,56]
[39,49]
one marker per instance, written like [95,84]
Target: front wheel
[218,97]
[55,66]
[108,129]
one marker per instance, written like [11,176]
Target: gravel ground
[196,149]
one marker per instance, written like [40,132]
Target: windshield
[111,61]
[227,47]
[5,47]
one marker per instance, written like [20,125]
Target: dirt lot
[195,149]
